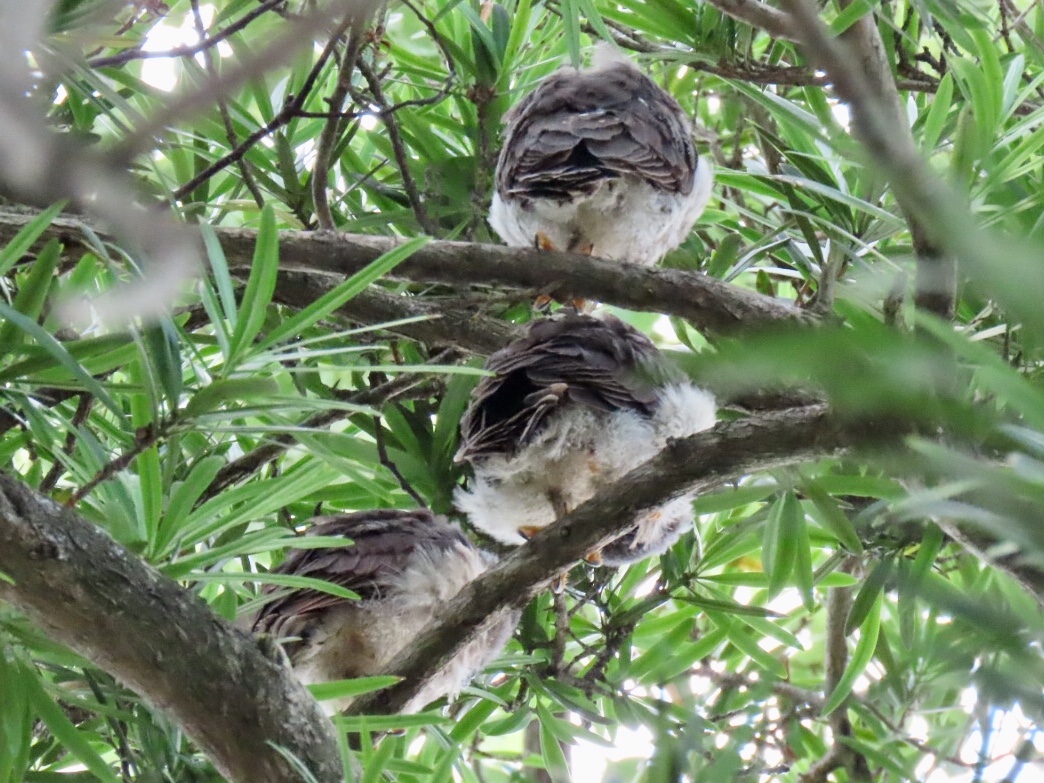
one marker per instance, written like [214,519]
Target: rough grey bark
[89,593]
[859,68]
[935,287]
[712,306]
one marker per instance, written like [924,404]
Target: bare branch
[839,607]
[332,129]
[291,108]
[204,45]
[402,158]
[239,469]
[226,118]
[712,306]
[237,704]
[279,50]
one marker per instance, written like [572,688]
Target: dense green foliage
[716,655]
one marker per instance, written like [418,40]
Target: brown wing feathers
[382,543]
[596,363]
[578,128]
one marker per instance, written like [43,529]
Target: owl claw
[543,303]
[594,558]
[543,242]
[528,531]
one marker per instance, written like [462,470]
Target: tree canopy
[247,279]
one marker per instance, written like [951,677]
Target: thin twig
[186,51]
[226,118]
[402,158]
[145,438]
[289,110]
[251,462]
[284,45]
[839,607]
[331,131]
[83,410]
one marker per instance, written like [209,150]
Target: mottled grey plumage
[569,409]
[403,565]
[600,160]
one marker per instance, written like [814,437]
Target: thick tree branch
[712,306]
[701,462]
[101,600]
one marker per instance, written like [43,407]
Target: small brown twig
[402,159]
[226,118]
[389,464]
[839,607]
[251,462]
[284,44]
[288,112]
[83,409]
[145,438]
[335,122]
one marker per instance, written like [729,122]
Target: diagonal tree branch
[88,592]
[703,461]
[936,283]
[859,69]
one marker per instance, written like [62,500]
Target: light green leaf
[331,300]
[71,738]
[259,289]
[26,237]
[59,353]
[222,391]
[337,689]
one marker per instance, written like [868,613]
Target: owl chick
[403,565]
[599,161]
[569,409]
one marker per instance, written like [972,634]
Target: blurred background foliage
[859,618]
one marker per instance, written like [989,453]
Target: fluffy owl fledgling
[403,565]
[569,409]
[599,161]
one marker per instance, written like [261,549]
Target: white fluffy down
[579,452]
[364,637]
[625,219]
